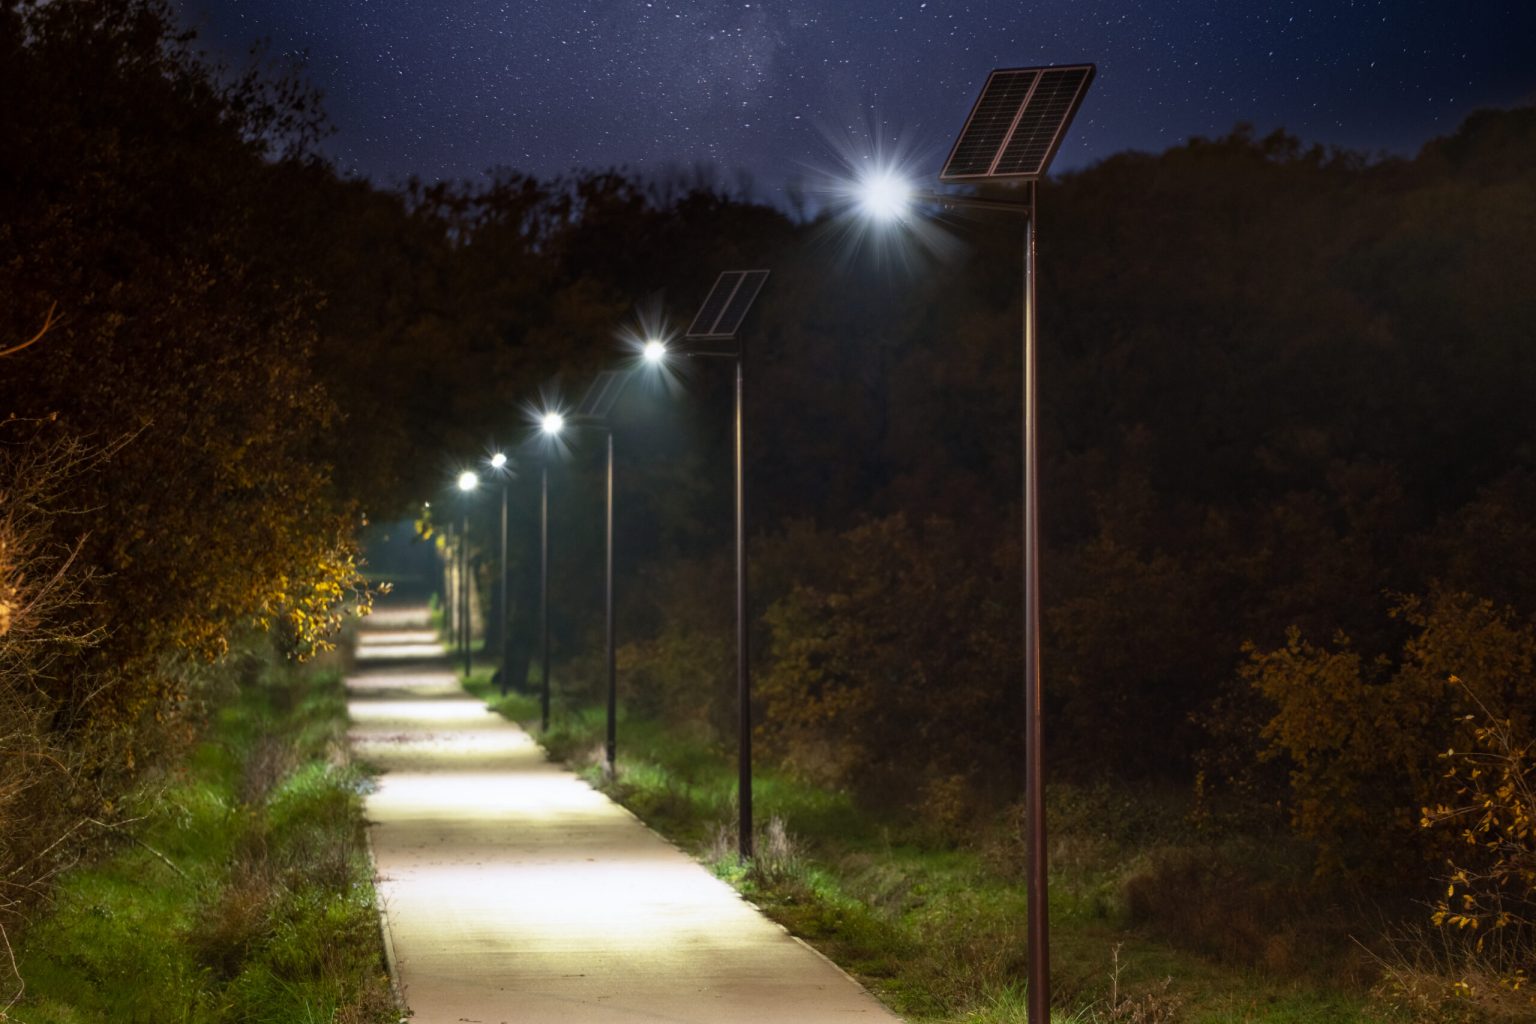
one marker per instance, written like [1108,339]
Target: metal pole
[464,587]
[453,604]
[544,596]
[453,597]
[1037,922]
[613,676]
[506,597]
[453,601]
[458,591]
[743,680]
[458,595]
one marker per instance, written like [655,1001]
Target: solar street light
[654,351]
[551,423]
[1014,130]
[467,483]
[596,407]
[718,320]
[503,468]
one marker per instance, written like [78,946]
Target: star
[450,93]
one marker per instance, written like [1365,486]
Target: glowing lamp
[552,423]
[884,196]
[468,481]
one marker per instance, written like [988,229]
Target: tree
[134,190]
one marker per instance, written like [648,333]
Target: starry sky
[777,88]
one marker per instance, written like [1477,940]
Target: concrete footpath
[514,893]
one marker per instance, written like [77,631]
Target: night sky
[450,89]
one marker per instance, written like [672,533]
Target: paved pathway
[516,894]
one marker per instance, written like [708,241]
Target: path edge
[391,962]
[839,968]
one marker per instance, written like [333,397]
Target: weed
[1430,975]
[1156,1005]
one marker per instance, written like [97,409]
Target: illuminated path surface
[516,893]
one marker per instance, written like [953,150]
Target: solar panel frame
[714,304]
[601,395]
[1051,97]
[741,303]
[727,305]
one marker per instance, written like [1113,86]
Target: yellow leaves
[1364,738]
[1493,884]
[308,603]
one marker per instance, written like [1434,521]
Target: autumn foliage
[164,486]
[1359,735]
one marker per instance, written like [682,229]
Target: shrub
[1490,895]
[1360,735]
[897,675]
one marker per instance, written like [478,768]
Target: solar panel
[1018,122]
[990,122]
[600,396]
[714,304]
[727,304]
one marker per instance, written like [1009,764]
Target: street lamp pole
[550,424]
[500,464]
[464,637]
[743,665]
[468,481]
[597,407]
[610,746]
[719,319]
[506,595]
[544,597]
[1037,922]
[1037,910]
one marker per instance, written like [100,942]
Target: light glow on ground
[515,891]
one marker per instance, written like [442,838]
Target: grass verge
[932,923]
[244,894]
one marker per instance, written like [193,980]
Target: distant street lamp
[596,407]
[1014,129]
[503,469]
[551,423]
[718,320]
[468,481]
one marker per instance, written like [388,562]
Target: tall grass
[243,894]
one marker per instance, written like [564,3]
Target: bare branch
[48,322]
